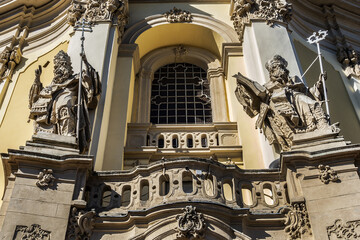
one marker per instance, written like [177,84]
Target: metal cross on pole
[316,37]
[82,26]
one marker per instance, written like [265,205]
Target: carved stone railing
[147,141]
[184,180]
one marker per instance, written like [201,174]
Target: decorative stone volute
[270,11]
[81,224]
[191,224]
[296,220]
[176,15]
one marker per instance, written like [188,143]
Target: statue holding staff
[54,107]
[284,105]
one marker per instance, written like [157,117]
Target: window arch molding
[163,56]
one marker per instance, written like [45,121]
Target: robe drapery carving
[284,105]
[54,107]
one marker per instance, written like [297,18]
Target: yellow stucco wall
[341,108]
[14,129]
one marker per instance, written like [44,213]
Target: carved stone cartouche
[297,220]
[285,105]
[46,178]
[341,230]
[327,174]
[191,224]
[176,15]
[81,224]
[270,11]
[34,232]
[53,107]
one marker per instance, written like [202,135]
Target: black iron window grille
[180,94]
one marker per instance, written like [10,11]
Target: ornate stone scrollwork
[350,60]
[348,230]
[75,12]
[46,179]
[34,232]
[115,11]
[176,15]
[9,59]
[267,10]
[191,224]
[296,221]
[81,224]
[326,174]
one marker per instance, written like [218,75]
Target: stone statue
[285,105]
[9,59]
[54,107]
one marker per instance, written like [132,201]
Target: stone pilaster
[44,179]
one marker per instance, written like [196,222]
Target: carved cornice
[270,11]
[191,224]
[176,15]
[297,220]
[33,232]
[81,224]
[348,230]
[327,174]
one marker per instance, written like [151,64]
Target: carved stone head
[277,69]
[62,69]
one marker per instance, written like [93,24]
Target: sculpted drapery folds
[54,107]
[285,105]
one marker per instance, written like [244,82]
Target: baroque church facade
[199,119]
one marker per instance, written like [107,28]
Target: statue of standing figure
[285,105]
[54,108]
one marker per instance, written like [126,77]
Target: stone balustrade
[147,141]
[186,180]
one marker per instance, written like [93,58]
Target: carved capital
[191,224]
[176,15]
[81,224]
[341,230]
[296,220]
[270,11]
[326,174]
[34,232]
[115,11]
[46,179]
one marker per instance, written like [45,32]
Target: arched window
[180,94]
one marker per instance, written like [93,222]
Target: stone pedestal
[321,172]
[44,179]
